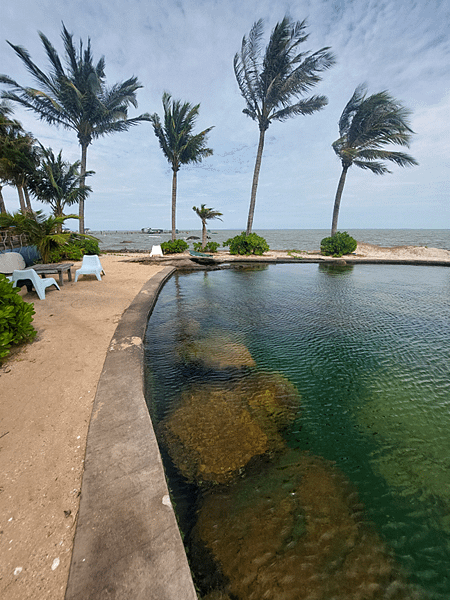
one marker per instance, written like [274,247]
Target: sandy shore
[47,392]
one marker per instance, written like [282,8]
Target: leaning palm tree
[179,145]
[367,124]
[76,97]
[206,214]
[58,182]
[269,83]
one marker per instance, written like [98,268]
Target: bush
[210,247]
[174,246]
[16,316]
[338,245]
[75,249]
[247,244]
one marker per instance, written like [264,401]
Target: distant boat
[150,230]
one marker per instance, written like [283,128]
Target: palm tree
[19,157]
[179,145]
[58,182]
[367,124]
[76,98]
[206,214]
[269,83]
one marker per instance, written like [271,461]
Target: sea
[278,239]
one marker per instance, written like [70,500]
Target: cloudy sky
[186,47]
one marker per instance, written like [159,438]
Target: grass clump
[210,247]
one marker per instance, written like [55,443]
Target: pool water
[303,415]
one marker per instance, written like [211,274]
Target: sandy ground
[47,390]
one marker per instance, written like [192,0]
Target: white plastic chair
[156,251]
[91,265]
[39,284]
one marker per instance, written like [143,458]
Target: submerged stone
[294,532]
[217,429]
[217,352]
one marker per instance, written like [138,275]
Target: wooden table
[56,268]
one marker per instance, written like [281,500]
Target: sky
[186,47]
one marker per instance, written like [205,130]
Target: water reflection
[303,416]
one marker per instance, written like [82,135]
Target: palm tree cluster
[75,98]
[275,84]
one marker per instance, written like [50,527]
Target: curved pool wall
[127,544]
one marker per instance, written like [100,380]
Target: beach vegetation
[58,182]
[209,247]
[41,231]
[174,247]
[76,97]
[246,244]
[179,145]
[19,156]
[338,244]
[366,126]
[74,249]
[206,214]
[16,317]
[271,84]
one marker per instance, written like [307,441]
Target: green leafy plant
[339,244]
[247,244]
[16,317]
[174,246]
[210,247]
[75,249]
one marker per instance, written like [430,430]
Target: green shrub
[210,247]
[174,246]
[16,316]
[247,244]
[338,245]
[75,249]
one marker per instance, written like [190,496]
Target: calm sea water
[354,501]
[282,239]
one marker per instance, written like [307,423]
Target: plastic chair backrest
[156,250]
[91,260]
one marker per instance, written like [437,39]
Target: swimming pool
[303,418]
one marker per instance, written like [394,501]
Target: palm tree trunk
[337,201]
[2,202]
[203,234]
[27,199]
[174,204]
[21,199]
[251,210]
[84,148]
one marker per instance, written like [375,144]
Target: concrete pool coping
[127,543]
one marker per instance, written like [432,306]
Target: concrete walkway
[127,543]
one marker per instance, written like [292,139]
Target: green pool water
[349,495]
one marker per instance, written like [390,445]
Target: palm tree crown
[58,182]
[366,126]
[76,97]
[269,83]
[179,145]
[206,214]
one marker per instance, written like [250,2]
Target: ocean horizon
[278,239]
